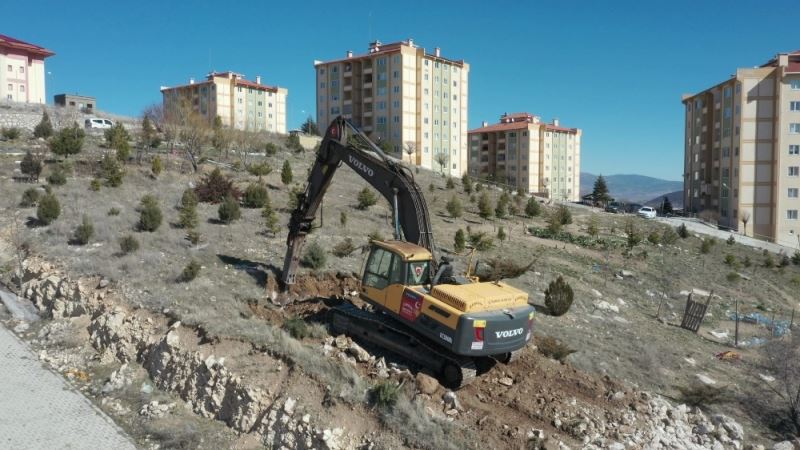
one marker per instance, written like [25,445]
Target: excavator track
[454,371]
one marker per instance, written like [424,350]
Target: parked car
[613,207]
[96,122]
[647,212]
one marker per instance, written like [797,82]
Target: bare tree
[441,159]
[246,142]
[410,148]
[20,246]
[745,217]
[155,112]
[781,359]
[190,127]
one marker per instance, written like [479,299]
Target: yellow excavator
[420,309]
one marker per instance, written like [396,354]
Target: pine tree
[466,183]
[532,208]
[366,198]
[68,141]
[600,191]
[667,206]
[117,137]
[45,128]
[501,234]
[309,127]
[270,219]
[454,207]
[30,166]
[286,173]
[485,206]
[459,241]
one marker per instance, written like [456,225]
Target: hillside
[676,198]
[631,188]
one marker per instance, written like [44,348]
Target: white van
[96,122]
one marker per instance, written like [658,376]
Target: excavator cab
[390,267]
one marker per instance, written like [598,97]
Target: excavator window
[418,273]
[378,272]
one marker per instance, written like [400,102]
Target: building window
[794,149]
[794,128]
[791,214]
[793,192]
[396,89]
[21,69]
[794,171]
[10,68]
[22,88]
[794,106]
[10,87]
[794,83]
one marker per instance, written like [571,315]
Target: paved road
[39,410]
[699,227]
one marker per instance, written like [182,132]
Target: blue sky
[616,69]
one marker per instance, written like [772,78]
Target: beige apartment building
[240,104]
[401,94]
[522,151]
[22,71]
[742,150]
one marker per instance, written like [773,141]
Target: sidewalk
[40,410]
[702,228]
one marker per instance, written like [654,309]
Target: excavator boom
[343,142]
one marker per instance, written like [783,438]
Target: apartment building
[742,150]
[22,71]
[522,151]
[402,95]
[240,104]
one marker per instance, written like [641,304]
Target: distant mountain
[632,188]
[676,198]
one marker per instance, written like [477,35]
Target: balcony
[367,69]
[348,87]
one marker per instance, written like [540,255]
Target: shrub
[703,395]
[58,177]
[286,173]
[450,184]
[190,272]
[384,395]
[149,214]
[29,198]
[478,187]
[30,166]
[730,260]
[344,248]
[255,196]
[480,241]
[730,240]
[215,187]
[532,208]
[260,170]
[94,185]
[564,215]
[157,166]
[294,197]
[485,209]
[705,246]
[270,219]
[114,211]
[187,217]
[68,141]
[768,261]
[496,269]
[669,236]
[654,238]
[796,258]
[558,297]
[784,260]
[733,277]
[296,327]
[746,262]
[683,232]
[48,210]
[45,128]
[459,241]
[591,227]
[366,198]
[111,171]
[128,244]
[553,348]
[193,236]
[501,210]
[343,219]
[554,224]
[84,231]
[314,256]
[10,133]
[431,187]
[466,183]
[513,209]
[117,137]
[229,210]
[270,149]
[375,236]
[188,198]
[501,234]
[454,207]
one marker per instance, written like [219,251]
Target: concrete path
[39,410]
[697,226]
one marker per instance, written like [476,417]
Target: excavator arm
[343,142]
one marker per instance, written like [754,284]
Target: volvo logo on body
[508,333]
[361,166]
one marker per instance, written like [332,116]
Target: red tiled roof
[252,84]
[388,48]
[793,67]
[9,42]
[557,128]
[502,127]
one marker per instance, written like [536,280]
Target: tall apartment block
[742,150]
[401,94]
[22,71]
[522,151]
[240,104]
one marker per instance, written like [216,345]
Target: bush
[128,244]
[229,210]
[384,395]
[188,199]
[190,272]
[375,236]
[683,232]
[730,260]
[532,208]
[480,241]
[270,149]
[58,177]
[314,257]
[95,185]
[193,236]
[270,219]
[68,141]
[215,187]
[459,241]
[558,297]
[48,210]
[343,219]
[10,133]
[796,258]
[632,234]
[114,211]
[255,196]
[286,173]
[705,246]
[496,269]
[730,240]
[111,171]
[187,217]
[294,197]
[117,137]
[564,215]
[149,214]
[296,327]
[553,348]
[501,234]
[29,198]
[554,224]
[260,170]
[454,207]
[366,198]
[654,238]
[703,395]
[30,166]
[746,262]
[478,187]
[784,260]
[157,166]
[450,184]
[45,128]
[591,227]
[485,209]
[669,236]
[768,261]
[466,183]
[344,248]
[733,277]
[84,231]
[501,210]
[431,187]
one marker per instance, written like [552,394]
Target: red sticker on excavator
[411,305]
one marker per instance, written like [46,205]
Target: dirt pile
[311,285]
